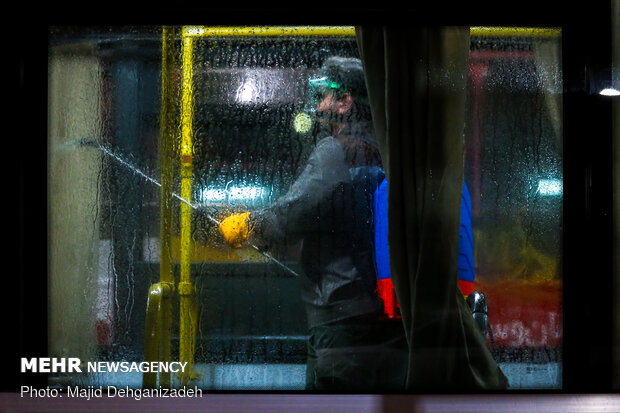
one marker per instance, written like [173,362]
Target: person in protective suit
[352,345]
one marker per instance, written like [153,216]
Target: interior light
[302,122]
[549,187]
[213,195]
[609,92]
[235,193]
[248,91]
[245,192]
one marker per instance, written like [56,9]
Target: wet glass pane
[157,136]
[249,95]
[514,173]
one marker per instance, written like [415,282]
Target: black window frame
[588,257]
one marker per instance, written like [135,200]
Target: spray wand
[137,171]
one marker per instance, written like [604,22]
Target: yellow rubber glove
[236,229]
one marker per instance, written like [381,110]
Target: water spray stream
[137,171]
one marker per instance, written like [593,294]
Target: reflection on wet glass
[514,168]
[254,130]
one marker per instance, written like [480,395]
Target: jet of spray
[137,171]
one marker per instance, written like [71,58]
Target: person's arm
[286,219]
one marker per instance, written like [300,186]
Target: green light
[324,82]
[302,122]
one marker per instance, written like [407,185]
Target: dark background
[588,190]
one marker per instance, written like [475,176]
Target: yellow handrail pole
[188,313]
[167,173]
[270,31]
[155,336]
[349,31]
[166,150]
[532,32]
[158,335]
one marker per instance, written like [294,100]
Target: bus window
[514,171]
[158,135]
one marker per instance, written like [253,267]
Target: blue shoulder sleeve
[466,240]
[382,256]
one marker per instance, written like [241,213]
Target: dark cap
[344,74]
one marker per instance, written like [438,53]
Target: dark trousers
[357,354]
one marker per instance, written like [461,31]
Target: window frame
[588,256]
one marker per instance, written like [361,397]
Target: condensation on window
[514,172]
[113,179]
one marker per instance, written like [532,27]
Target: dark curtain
[416,79]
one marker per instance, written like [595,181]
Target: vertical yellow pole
[158,334]
[166,149]
[188,313]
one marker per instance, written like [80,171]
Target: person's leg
[360,353]
[311,361]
